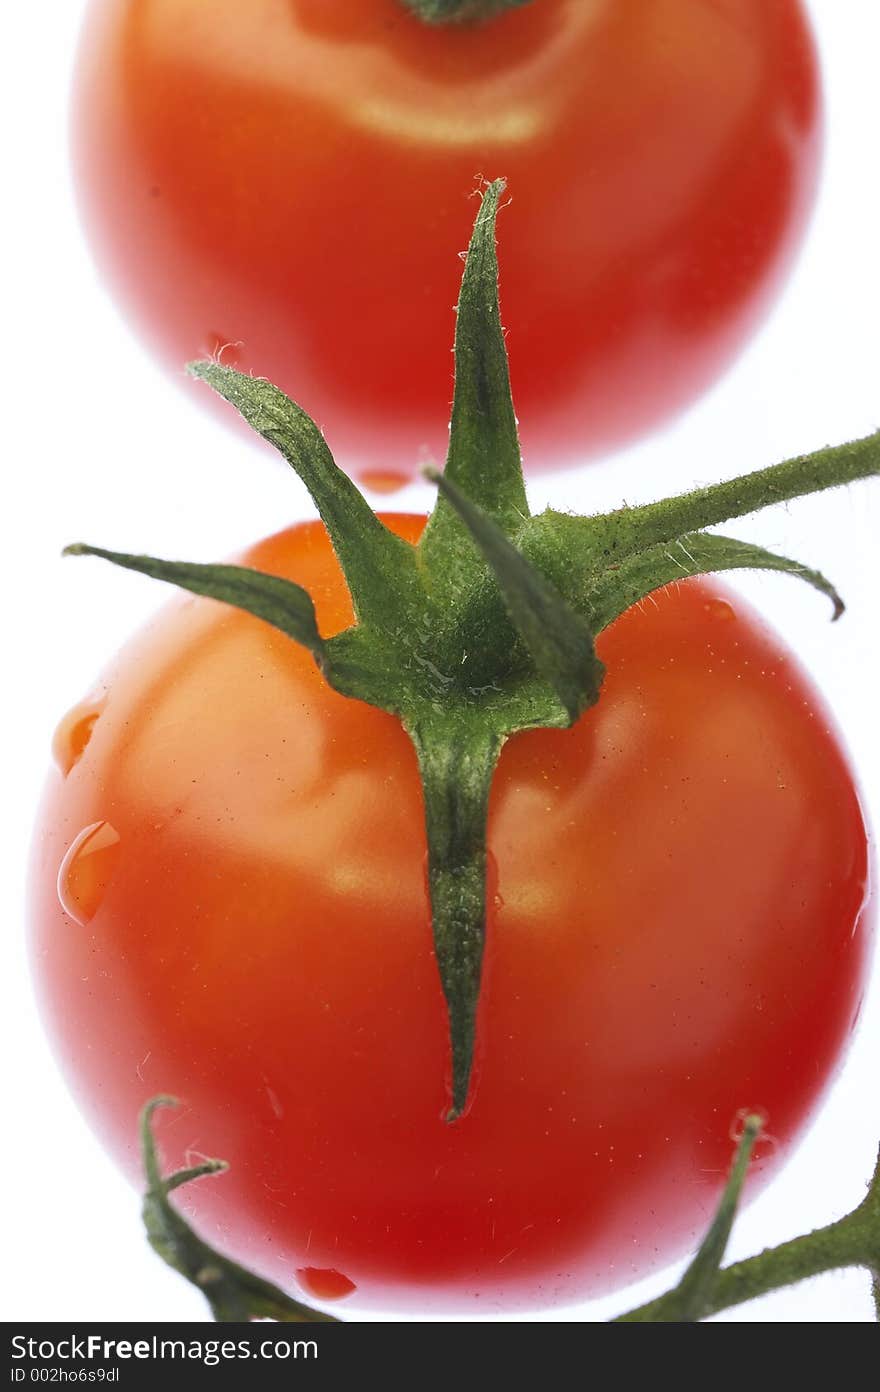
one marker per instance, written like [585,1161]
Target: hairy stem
[853,1241]
[641,527]
[828,1249]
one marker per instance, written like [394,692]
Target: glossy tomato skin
[229,905]
[289,181]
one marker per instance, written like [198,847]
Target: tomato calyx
[233,1292]
[461,11]
[487,626]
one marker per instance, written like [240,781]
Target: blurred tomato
[287,182]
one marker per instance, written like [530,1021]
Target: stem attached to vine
[853,1241]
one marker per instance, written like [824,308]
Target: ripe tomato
[230,905]
[290,178]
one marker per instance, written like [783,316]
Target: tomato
[230,905]
[288,181]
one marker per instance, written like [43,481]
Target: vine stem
[853,1241]
[780,483]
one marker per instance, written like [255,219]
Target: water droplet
[383,480]
[720,609]
[86,871]
[324,1284]
[74,733]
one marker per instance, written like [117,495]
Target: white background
[97,445]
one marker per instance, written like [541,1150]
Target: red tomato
[230,905]
[288,181]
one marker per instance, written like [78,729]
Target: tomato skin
[290,179]
[677,930]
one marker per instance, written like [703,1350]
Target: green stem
[689,1301]
[853,1241]
[460,11]
[234,1294]
[828,1249]
[456,765]
[637,528]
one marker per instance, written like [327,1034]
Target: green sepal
[484,456]
[456,762]
[380,568]
[558,640]
[281,603]
[619,587]
[234,1294]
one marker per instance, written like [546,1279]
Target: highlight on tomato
[285,185]
[463,900]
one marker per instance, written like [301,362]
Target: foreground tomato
[286,180]
[677,932]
